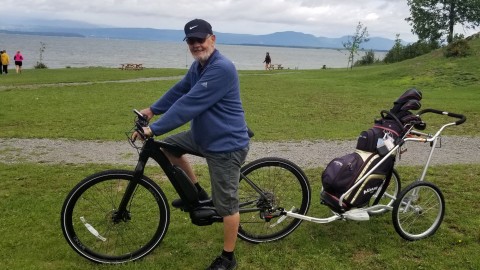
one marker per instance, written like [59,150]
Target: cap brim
[197,35]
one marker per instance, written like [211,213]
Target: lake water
[61,52]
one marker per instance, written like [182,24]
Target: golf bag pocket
[373,140]
[361,195]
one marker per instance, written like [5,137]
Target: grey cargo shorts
[224,169]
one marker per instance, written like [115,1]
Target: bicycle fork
[122,213]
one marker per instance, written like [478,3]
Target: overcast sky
[328,18]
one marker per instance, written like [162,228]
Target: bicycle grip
[455,115]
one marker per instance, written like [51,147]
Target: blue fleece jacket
[209,97]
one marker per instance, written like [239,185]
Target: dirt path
[36,86]
[307,154]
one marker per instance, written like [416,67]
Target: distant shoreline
[297,47]
[47,34]
[291,38]
[54,34]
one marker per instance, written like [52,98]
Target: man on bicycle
[208,97]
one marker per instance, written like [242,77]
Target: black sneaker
[202,196]
[222,263]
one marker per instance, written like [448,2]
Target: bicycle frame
[362,213]
[183,186]
[151,149]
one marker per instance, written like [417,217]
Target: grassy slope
[280,105]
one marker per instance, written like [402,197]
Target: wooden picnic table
[272,66]
[131,66]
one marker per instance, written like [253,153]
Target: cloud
[318,17]
[372,17]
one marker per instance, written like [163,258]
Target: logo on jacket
[204,84]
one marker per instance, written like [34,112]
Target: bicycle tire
[285,185]
[418,212]
[390,195]
[87,218]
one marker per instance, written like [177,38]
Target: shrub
[401,52]
[367,59]
[458,48]
[40,65]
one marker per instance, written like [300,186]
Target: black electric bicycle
[117,216]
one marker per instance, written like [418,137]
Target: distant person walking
[5,61]
[267,61]
[18,58]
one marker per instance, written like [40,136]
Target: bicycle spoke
[113,236]
[282,185]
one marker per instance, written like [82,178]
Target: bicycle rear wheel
[277,184]
[95,229]
[418,211]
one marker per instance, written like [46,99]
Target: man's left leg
[230,231]
[224,171]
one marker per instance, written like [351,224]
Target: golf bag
[342,173]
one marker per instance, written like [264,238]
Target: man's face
[201,49]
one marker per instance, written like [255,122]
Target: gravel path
[307,154]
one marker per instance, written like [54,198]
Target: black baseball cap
[197,28]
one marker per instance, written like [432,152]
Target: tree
[395,54]
[353,43]
[435,19]
[400,52]
[40,64]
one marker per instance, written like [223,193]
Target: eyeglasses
[193,40]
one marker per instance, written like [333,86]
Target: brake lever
[139,130]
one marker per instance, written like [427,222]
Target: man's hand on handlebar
[144,134]
[148,113]
[143,131]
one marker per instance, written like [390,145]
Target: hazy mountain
[287,38]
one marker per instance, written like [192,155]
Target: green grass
[92,74]
[32,195]
[280,105]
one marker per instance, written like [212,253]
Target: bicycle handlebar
[455,115]
[141,117]
[141,122]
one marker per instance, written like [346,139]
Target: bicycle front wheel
[95,228]
[267,186]
[418,211]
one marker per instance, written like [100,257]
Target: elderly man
[209,97]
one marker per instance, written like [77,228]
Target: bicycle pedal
[357,215]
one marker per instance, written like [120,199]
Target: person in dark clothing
[267,61]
